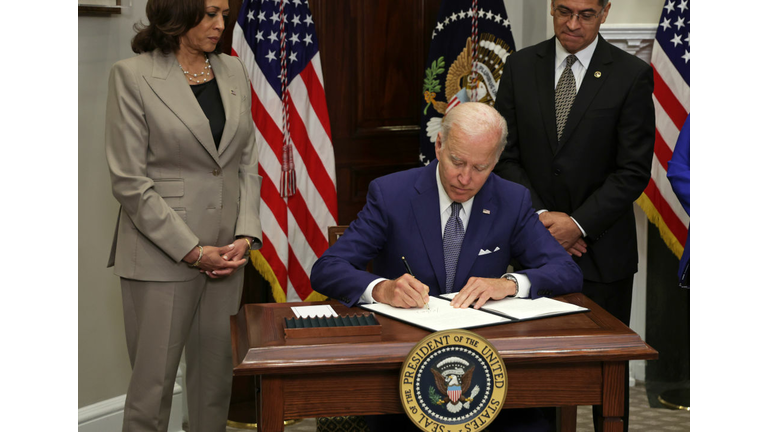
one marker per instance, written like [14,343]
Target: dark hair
[168,20]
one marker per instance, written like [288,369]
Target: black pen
[408,269]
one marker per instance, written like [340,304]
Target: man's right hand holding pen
[403,292]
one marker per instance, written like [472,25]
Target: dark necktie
[452,238]
[565,93]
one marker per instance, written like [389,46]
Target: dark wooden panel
[373,55]
[334,394]
[388,60]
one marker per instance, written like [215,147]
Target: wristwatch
[511,277]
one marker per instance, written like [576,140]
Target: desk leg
[567,418]
[271,408]
[613,396]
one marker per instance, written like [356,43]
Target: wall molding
[636,39]
[107,415]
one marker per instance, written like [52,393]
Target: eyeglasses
[587,17]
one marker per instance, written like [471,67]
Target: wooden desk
[564,361]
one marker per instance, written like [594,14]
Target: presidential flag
[671,62]
[470,43]
[276,41]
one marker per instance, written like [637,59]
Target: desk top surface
[260,347]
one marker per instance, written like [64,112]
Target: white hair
[474,118]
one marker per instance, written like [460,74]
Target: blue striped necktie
[452,238]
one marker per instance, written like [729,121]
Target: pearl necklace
[205,74]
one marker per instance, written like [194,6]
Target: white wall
[103,367]
[532,23]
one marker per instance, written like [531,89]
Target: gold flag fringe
[666,234]
[265,270]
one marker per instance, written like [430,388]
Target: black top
[208,97]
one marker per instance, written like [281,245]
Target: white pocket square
[486,251]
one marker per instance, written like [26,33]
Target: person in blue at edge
[407,213]
[679,175]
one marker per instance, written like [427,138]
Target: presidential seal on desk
[451,381]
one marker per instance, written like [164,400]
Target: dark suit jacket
[401,218]
[603,161]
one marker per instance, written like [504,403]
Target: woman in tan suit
[181,151]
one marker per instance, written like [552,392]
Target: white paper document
[439,316]
[314,311]
[525,309]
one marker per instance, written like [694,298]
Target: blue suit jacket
[679,175]
[401,218]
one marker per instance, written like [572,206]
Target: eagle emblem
[453,378]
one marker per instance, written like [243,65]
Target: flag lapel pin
[486,211]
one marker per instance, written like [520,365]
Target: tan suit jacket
[176,190]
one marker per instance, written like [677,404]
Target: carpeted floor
[641,417]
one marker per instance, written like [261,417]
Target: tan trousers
[161,318]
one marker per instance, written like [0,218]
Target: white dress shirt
[579,67]
[523,283]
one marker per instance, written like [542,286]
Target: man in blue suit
[406,214]
[456,215]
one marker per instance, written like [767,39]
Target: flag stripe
[312,233]
[661,181]
[302,250]
[671,76]
[679,230]
[664,126]
[266,126]
[661,151]
[298,275]
[671,105]
[270,254]
[316,96]
[315,128]
[319,73]
[314,165]
[271,197]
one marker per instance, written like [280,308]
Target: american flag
[277,42]
[671,62]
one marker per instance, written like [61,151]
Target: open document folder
[521,309]
[442,316]
[439,316]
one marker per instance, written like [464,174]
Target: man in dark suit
[581,133]
[418,214]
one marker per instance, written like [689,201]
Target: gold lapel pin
[598,74]
[485,211]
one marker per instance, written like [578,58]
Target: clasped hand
[565,231]
[218,262]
